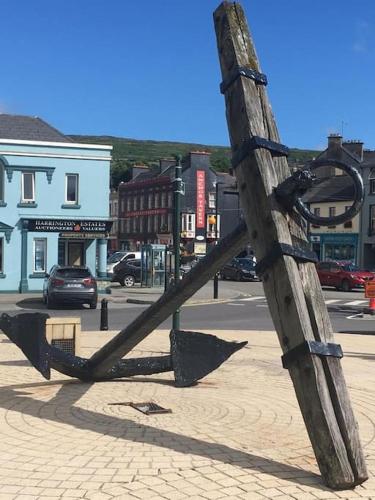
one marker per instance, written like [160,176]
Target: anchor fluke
[27,331]
[195,355]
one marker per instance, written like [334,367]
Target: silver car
[70,284]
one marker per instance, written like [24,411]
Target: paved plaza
[237,434]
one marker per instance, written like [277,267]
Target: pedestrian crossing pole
[178,192]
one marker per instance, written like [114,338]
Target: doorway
[76,253]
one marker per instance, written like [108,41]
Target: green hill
[127,152]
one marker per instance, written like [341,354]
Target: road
[238,314]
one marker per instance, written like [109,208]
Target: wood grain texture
[293,291]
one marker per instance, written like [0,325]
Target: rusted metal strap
[259,78]
[256,142]
[320,349]
[280,249]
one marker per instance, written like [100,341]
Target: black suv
[73,284]
[127,272]
[239,269]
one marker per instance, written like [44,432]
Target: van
[117,257]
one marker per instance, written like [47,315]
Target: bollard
[216,285]
[104,315]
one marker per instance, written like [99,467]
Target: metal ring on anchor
[348,214]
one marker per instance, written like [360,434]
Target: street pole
[178,191]
[216,276]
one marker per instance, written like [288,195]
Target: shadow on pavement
[71,391]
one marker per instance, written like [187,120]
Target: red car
[343,276]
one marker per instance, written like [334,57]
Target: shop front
[336,246]
[46,242]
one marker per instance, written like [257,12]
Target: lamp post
[216,276]
[178,191]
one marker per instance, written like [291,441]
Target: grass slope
[127,152]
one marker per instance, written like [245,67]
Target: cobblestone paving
[238,434]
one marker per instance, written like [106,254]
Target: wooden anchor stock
[292,288]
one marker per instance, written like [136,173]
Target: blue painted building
[53,203]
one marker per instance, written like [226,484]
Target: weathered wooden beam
[293,291]
[103,360]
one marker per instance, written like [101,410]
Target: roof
[328,189]
[28,128]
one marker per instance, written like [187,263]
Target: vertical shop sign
[201,199]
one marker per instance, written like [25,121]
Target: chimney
[355,147]
[334,141]
[200,159]
[165,163]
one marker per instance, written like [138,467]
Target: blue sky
[149,70]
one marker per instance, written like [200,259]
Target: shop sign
[200,248]
[69,226]
[82,236]
[153,211]
[201,199]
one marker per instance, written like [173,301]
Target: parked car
[70,284]
[239,269]
[343,276]
[127,272]
[117,257]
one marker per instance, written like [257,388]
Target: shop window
[28,187]
[371,179]
[40,255]
[71,189]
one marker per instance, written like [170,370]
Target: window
[142,202]
[372,220]
[371,179]
[1,255]
[129,204]
[150,200]
[211,224]
[40,255]
[332,213]
[317,213]
[71,189]
[164,199]
[157,198]
[135,203]
[1,183]
[170,199]
[211,200]
[28,187]
[349,223]
[188,222]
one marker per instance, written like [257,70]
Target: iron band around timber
[311,347]
[256,142]
[259,78]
